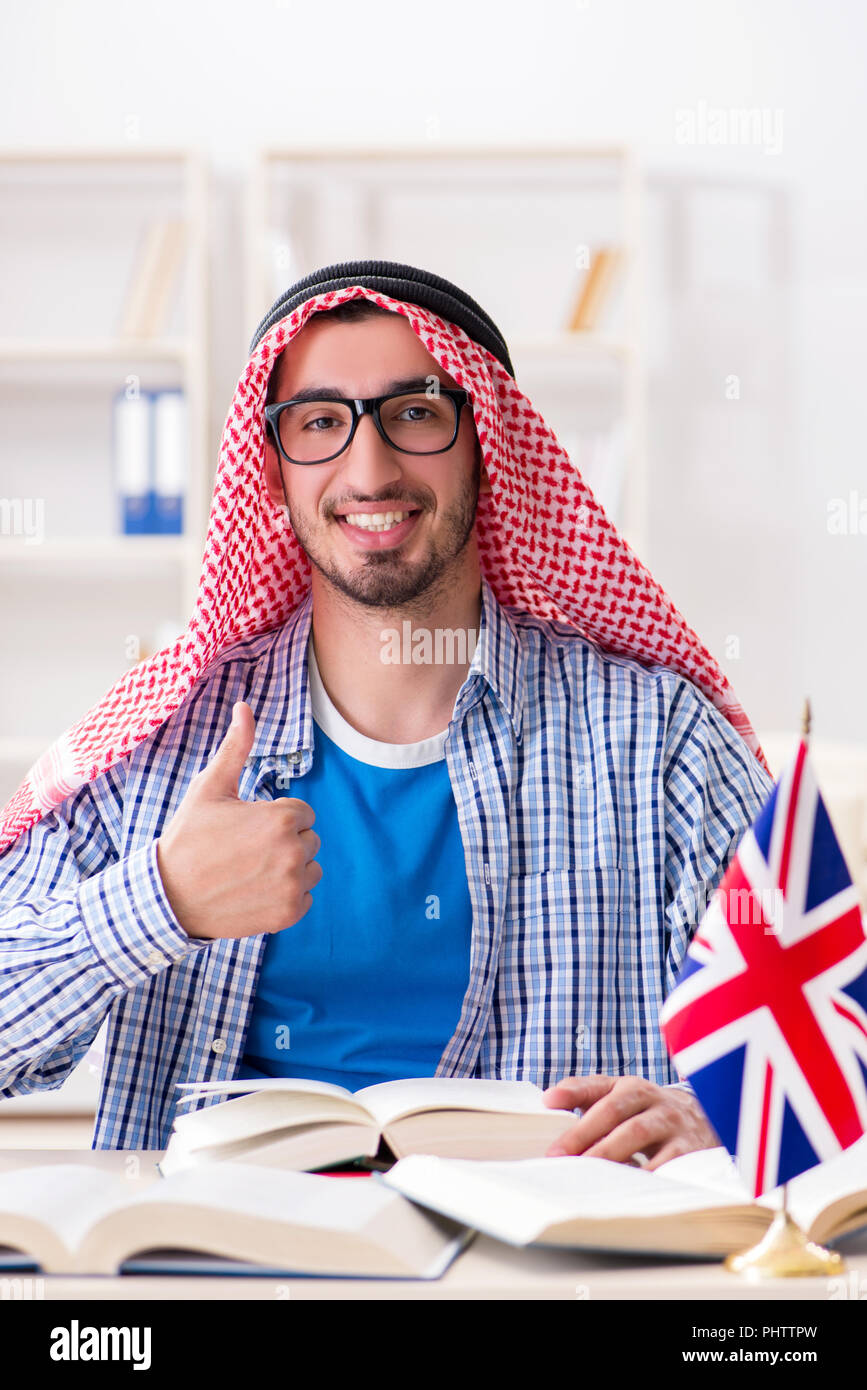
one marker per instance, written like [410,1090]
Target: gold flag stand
[785,1250]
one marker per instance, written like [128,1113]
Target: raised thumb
[220,777]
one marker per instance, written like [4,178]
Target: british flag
[768,1018]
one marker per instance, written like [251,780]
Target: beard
[385,579]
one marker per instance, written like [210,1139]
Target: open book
[228,1219]
[692,1205]
[288,1123]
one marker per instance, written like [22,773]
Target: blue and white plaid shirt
[599,802]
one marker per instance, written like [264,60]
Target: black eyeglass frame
[370,406]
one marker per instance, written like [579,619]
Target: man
[513,843]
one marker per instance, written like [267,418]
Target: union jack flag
[768,1018]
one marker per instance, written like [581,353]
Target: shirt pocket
[571,975]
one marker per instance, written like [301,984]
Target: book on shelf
[694,1205]
[301,1124]
[169,460]
[596,290]
[131,446]
[150,461]
[68,1218]
[155,274]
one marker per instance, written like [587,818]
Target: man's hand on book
[626,1115]
[237,868]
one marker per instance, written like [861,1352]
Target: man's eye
[319,420]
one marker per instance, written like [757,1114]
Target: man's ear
[271,462]
[271,465]
[484,480]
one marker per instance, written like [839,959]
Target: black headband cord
[404,282]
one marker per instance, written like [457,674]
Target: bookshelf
[515,229]
[79,600]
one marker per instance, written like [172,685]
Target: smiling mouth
[377,521]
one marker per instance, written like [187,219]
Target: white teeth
[375,521]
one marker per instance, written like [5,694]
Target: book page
[262,1215]
[272,1194]
[245,1116]
[712,1168]
[518,1200]
[66,1198]
[841,1176]
[391,1100]
[807,1195]
[190,1090]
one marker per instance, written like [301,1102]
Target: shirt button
[218,1045]
[294,757]
[155,960]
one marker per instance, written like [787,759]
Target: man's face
[421,555]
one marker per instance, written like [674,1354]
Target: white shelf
[116,350]
[78,1095]
[95,555]
[570,346]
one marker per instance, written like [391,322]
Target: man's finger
[674,1148]
[578,1092]
[605,1115]
[644,1131]
[221,775]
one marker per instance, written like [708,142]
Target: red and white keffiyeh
[533,551]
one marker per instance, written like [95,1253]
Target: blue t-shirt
[368,985]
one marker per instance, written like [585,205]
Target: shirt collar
[280,694]
[500,657]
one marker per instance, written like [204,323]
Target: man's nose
[370,461]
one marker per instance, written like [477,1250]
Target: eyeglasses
[413,423]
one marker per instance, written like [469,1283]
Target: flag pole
[785,1249]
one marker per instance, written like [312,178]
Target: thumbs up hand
[233,868]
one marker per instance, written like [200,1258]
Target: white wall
[229,78]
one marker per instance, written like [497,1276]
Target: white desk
[486,1270]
